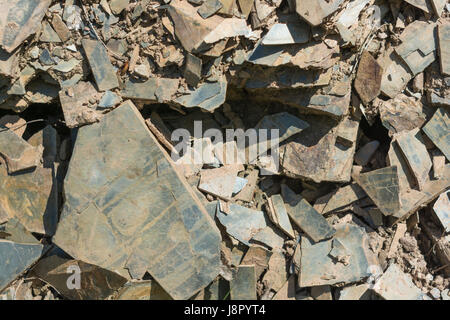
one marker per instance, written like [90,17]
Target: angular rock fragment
[438,6]
[421,4]
[153,90]
[288,33]
[242,223]
[208,96]
[19,19]
[48,34]
[356,292]
[243,285]
[31,198]
[142,290]
[276,275]
[249,189]
[395,157]
[14,123]
[444,47]
[402,113]
[102,69]
[61,28]
[442,210]
[75,104]
[305,216]
[381,186]
[117,6]
[368,78]
[280,216]
[208,8]
[193,70]
[16,258]
[342,197]
[394,284]
[219,182]
[396,74]
[416,155]
[269,237]
[17,153]
[437,130]
[287,292]
[319,268]
[314,11]
[95,283]
[168,233]
[310,152]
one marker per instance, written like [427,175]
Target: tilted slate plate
[128,208]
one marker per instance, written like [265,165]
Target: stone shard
[75,104]
[16,258]
[314,11]
[31,198]
[416,155]
[243,285]
[141,214]
[394,284]
[193,70]
[368,78]
[444,47]
[340,198]
[305,216]
[48,34]
[421,4]
[395,157]
[219,182]
[117,6]
[242,223]
[208,96]
[442,210]
[61,28]
[437,130]
[356,292]
[102,69]
[142,290]
[19,19]
[396,74]
[382,187]
[365,153]
[287,33]
[95,283]
[310,153]
[287,292]
[319,268]
[402,113]
[280,215]
[18,154]
[154,90]
[208,8]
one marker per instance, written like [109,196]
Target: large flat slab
[129,211]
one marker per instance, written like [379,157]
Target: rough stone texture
[243,285]
[139,211]
[368,78]
[437,130]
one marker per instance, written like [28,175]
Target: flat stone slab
[19,19]
[437,130]
[243,285]
[287,33]
[102,69]
[368,78]
[129,211]
[382,187]
[442,209]
[314,11]
[394,284]
[319,268]
[305,216]
[16,258]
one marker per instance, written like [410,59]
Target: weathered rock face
[128,210]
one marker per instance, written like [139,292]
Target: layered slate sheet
[127,209]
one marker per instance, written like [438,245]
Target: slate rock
[287,33]
[102,69]
[314,11]
[141,214]
[444,47]
[243,285]
[368,78]
[437,130]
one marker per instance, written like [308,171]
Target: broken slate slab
[396,74]
[208,96]
[416,155]
[102,69]
[193,69]
[365,153]
[280,215]
[75,104]
[31,197]
[17,153]
[442,210]
[16,258]
[394,284]
[142,290]
[168,233]
[319,268]
[208,8]
[444,47]
[48,34]
[242,223]
[219,182]
[19,19]
[340,198]
[437,130]
[95,283]
[368,78]
[314,11]
[243,285]
[305,216]
[382,187]
[287,33]
[153,90]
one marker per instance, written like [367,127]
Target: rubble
[221,149]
